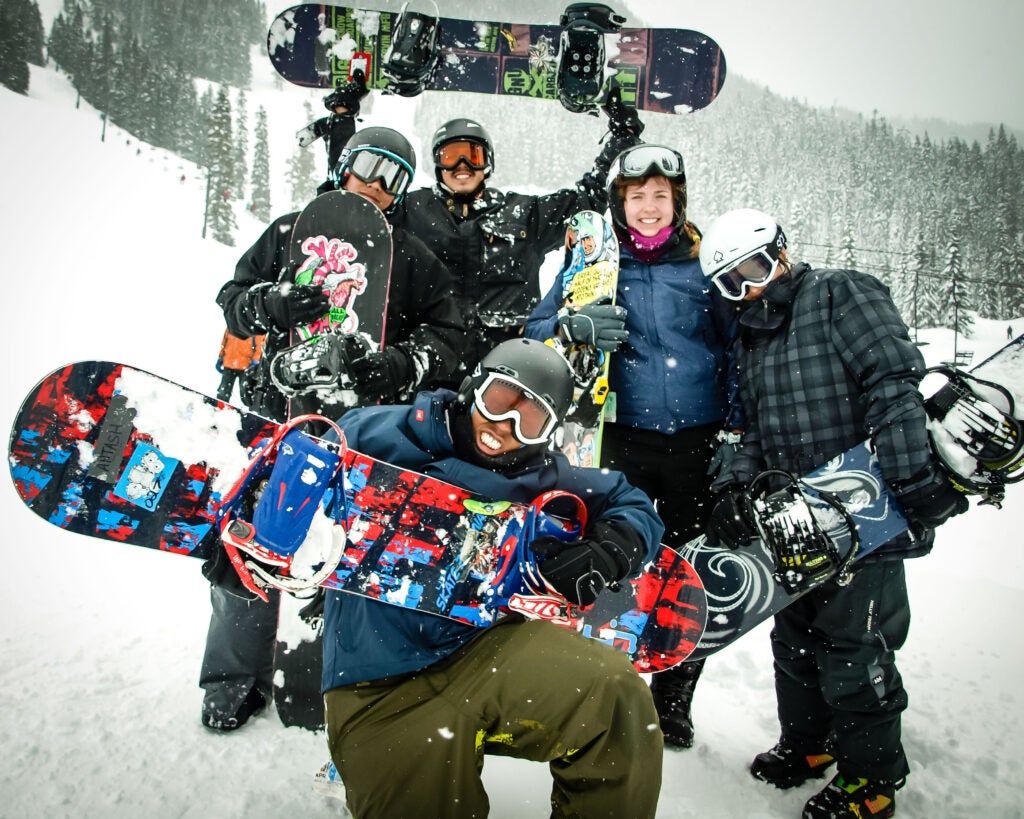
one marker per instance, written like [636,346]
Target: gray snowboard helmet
[378,154]
[541,382]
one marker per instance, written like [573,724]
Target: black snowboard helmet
[641,162]
[462,129]
[378,153]
[533,369]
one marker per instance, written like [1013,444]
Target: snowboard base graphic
[669,71]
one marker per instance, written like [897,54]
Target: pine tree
[34,36]
[16,43]
[956,292]
[241,141]
[261,169]
[301,172]
[220,165]
[847,251]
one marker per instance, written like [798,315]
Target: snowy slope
[99,710]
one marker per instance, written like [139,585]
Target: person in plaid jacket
[826,361]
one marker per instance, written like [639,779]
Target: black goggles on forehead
[753,270]
[500,398]
[373,164]
[645,160]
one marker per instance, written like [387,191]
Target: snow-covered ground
[99,707]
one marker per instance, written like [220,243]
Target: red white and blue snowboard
[113,452]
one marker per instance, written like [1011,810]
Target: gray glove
[599,324]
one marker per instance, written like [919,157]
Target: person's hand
[622,119]
[292,305]
[381,376]
[934,503]
[731,523]
[580,570]
[348,95]
[599,324]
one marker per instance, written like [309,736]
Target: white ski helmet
[734,238]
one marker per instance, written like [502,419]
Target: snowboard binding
[518,583]
[270,522]
[321,363]
[590,385]
[803,553]
[581,54]
[414,54]
[975,435]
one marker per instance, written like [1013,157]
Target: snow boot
[785,767]
[853,798]
[673,695]
[253,703]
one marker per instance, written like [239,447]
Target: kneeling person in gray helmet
[418,699]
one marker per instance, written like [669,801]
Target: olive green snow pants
[414,747]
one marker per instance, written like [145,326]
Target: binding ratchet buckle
[283,523]
[975,434]
[803,553]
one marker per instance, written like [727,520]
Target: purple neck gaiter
[649,248]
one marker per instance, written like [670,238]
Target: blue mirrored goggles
[373,164]
[739,278]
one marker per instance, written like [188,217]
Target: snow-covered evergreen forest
[940,221]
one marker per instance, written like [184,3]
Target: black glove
[622,120]
[349,94]
[934,503]
[291,305]
[600,324]
[381,376]
[731,523]
[581,569]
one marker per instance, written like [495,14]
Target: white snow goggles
[753,270]
[501,398]
[372,164]
[647,160]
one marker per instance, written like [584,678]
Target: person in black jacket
[423,343]
[826,362]
[494,242]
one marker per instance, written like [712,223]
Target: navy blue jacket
[674,370]
[365,639]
